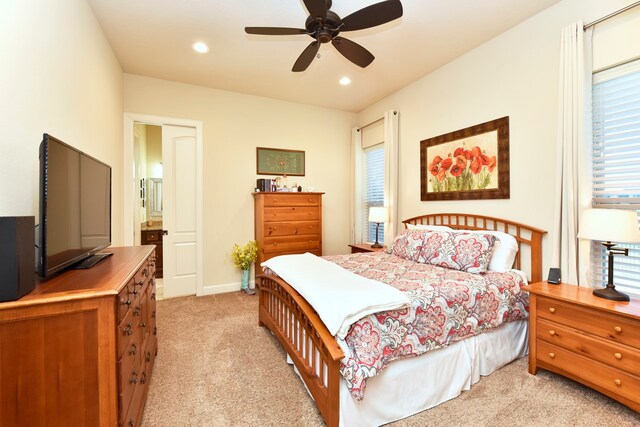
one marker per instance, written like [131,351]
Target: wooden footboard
[306,339]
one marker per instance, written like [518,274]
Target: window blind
[616,164]
[372,190]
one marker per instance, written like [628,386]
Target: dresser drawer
[291,200]
[126,333]
[290,244]
[302,213]
[613,354]
[265,257]
[150,237]
[619,329]
[124,301]
[293,228]
[128,378]
[611,379]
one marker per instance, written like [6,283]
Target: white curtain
[574,124]
[390,179]
[391,174]
[355,210]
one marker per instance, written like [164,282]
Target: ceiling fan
[323,25]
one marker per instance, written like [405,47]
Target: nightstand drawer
[291,200]
[612,354]
[610,379]
[617,329]
[293,228]
[301,213]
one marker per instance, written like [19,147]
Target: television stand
[92,260]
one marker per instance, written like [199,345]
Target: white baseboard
[224,288]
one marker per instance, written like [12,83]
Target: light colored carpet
[217,367]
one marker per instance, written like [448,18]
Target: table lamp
[378,215]
[608,226]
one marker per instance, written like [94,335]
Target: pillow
[458,250]
[504,250]
[428,227]
[408,244]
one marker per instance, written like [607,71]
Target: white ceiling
[153,38]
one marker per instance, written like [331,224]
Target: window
[372,189]
[616,164]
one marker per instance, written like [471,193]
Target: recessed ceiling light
[200,47]
[345,81]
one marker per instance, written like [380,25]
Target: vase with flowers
[243,257]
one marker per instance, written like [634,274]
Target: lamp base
[376,245]
[610,293]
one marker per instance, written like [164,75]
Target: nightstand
[363,247]
[591,340]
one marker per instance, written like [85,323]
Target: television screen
[75,206]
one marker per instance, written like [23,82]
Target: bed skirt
[422,382]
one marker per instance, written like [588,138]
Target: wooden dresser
[287,223]
[80,348]
[154,237]
[591,340]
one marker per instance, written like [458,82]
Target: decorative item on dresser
[80,348]
[153,236]
[590,340]
[287,223]
[608,226]
[363,247]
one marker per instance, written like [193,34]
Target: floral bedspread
[446,306]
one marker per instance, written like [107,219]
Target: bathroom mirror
[154,193]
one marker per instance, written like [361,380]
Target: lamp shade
[378,214]
[609,225]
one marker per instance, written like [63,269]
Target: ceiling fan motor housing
[323,30]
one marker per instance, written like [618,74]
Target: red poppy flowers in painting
[462,170]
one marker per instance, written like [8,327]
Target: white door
[179,157]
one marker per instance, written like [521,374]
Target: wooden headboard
[529,238]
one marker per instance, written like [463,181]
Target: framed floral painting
[471,163]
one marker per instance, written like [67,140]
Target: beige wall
[234,125]
[515,75]
[59,76]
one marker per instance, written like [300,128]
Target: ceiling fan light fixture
[200,47]
[345,81]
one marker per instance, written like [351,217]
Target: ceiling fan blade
[353,51]
[306,57]
[371,16]
[317,8]
[274,31]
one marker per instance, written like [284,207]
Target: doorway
[163,197]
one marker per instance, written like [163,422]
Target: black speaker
[17,256]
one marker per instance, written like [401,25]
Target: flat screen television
[75,208]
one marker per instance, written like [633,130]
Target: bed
[412,384]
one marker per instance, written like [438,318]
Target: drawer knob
[552,333]
[552,355]
[552,310]
[617,382]
[275,244]
[617,356]
[618,329]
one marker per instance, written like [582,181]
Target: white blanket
[340,297]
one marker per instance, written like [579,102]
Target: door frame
[128,226]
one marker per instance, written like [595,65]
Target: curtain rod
[611,15]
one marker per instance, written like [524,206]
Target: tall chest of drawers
[588,339]
[80,348]
[287,223]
